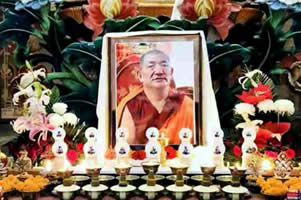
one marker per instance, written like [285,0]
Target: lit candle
[267,168]
[48,165]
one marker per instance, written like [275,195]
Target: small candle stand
[179,187]
[67,189]
[206,187]
[151,168]
[95,188]
[123,186]
[59,149]
[235,188]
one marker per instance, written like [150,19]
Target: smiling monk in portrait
[155,103]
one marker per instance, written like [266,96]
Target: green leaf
[224,57]
[55,41]
[54,98]
[20,55]
[55,95]
[278,71]
[17,26]
[139,23]
[45,24]
[83,102]
[59,75]
[200,24]
[223,51]
[83,59]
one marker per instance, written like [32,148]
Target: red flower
[80,147]
[290,153]
[236,151]
[72,156]
[256,95]
[277,128]
[262,137]
[274,142]
[99,10]
[48,154]
[228,143]
[271,154]
[34,151]
[171,152]
[138,155]
[217,11]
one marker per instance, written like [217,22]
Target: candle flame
[48,165]
[237,165]
[266,165]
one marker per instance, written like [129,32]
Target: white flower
[56,120]
[27,91]
[35,105]
[244,108]
[266,106]
[284,106]
[29,77]
[45,97]
[70,118]
[60,108]
[26,79]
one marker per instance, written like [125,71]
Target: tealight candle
[267,168]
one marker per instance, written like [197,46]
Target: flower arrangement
[40,118]
[259,109]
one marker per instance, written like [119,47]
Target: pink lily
[40,124]
[21,124]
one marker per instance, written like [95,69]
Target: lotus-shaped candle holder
[123,171]
[237,173]
[94,174]
[179,170]
[207,171]
[66,175]
[150,168]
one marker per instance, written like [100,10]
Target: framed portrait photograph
[155,81]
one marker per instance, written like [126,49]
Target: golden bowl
[150,166]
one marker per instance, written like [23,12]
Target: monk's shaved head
[153,52]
